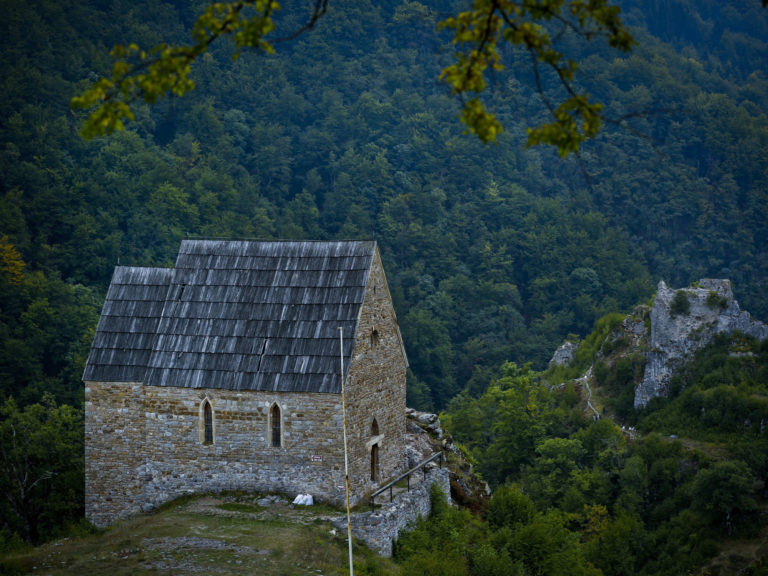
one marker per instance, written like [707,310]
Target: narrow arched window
[374,451]
[275,417]
[206,422]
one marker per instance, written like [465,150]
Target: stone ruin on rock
[681,322]
[223,373]
[678,330]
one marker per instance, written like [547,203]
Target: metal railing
[407,476]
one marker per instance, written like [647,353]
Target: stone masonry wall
[376,390]
[143,446]
[114,418]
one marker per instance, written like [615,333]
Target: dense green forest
[575,495]
[494,254]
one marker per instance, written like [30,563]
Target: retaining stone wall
[380,528]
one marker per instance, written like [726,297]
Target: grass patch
[240,507]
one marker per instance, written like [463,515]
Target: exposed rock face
[682,322]
[418,446]
[564,354]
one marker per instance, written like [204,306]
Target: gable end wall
[375,388]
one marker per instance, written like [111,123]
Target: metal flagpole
[346,460]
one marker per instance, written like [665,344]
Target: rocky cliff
[682,322]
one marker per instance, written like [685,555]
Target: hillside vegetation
[494,254]
[677,487]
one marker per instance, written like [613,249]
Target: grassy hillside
[229,534]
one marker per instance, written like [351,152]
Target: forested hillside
[493,253]
[679,488]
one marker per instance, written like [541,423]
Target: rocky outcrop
[564,354]
[424,437]
[682,322]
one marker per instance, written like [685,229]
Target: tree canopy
[577,495]
[478,34]
[149,74]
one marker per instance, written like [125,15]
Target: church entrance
[374,451]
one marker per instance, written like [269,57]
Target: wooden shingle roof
[235,315]
[128,325]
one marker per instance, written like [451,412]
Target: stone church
[224,373]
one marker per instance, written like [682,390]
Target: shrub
[510,507]
[680,303]
[714,300]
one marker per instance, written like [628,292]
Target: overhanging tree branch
[478,33]
[149,76]
[319,10]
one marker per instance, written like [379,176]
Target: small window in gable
[374,339]
[206,422]
[275,423]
